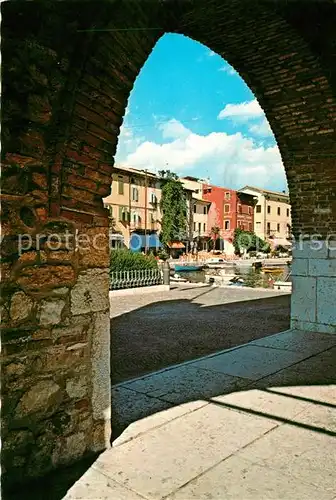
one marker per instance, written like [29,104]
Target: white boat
[178,279]
[216,263]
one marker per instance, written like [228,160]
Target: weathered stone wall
[65,88]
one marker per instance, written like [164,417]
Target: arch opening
[61,119]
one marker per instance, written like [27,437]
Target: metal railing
[134,279]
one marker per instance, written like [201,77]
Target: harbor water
[250,276]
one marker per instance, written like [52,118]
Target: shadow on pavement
[173,331]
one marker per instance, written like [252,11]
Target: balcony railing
[134,279]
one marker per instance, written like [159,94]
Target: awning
[175,244]
[116,237]
[281,242]
[140,241]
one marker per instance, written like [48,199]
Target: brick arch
[285,74]
[64,101]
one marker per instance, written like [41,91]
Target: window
[120,185]
[227,196]
[226,208]
[153,199]
[258,226]
[227,225]
[194,226]
[279,211]
[278,228]
[205,210]
[199,227]
[268,228]
[258,209]
[123,214]
[195,208]
[250,226]
[287,212]
[240,210]
[249,210]
[268,209]
[135,194]
[204,229]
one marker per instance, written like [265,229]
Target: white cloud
[173,129]
[229,70]
[127,143]
[224,155]
[262,128]
[250,113]
[242,111]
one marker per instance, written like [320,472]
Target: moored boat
[216,263]
[180,268]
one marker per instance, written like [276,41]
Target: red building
[229,210]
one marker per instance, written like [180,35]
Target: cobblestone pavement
[153,331]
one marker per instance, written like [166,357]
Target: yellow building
[272,215]
[134,202]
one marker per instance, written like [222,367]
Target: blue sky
[190,111]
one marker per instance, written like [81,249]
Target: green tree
[173,206]
[248,240]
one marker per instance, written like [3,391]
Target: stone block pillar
[313,305]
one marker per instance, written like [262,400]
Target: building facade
[134,202]
[199,208]
[272,215]
[229,209]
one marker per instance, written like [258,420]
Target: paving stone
[294,340]
[236,478]
[186,383]
[320,417]
[303,454]
[162,460]
[136,413]
[325,394]
[129,406]
[316,370]
[272,405]
[250,362]
[93,486]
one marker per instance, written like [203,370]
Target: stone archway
[67,75]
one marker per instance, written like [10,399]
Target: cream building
[272,215]
[199,208]
[134,202]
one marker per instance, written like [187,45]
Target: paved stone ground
[153,331]
[253,422]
